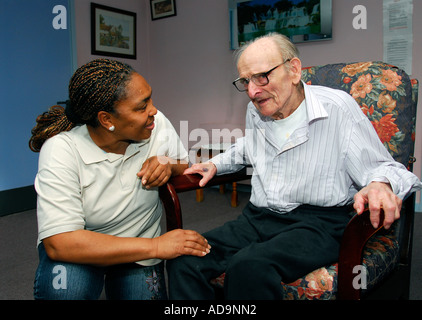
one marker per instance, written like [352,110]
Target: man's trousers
[258,251]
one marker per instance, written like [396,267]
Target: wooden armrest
[358,231]
[168,192]
[188,182]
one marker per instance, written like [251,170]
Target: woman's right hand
[180,242]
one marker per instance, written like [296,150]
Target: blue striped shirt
[324,162]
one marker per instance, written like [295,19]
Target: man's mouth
[262,101]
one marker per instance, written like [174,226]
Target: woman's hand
[89,247]
[180,242]
[158,169]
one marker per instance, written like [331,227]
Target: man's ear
[105,119]
[296,70]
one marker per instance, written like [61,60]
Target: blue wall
[35,68]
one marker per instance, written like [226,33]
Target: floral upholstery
[380,256]
[383,92]
[388,97]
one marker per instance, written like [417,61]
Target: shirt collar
[314,108]
[91,153]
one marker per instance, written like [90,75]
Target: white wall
[190,67]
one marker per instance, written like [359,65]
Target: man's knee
[188,278]
[244,265]
[180,264]
[251,277]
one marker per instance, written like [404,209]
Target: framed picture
[162,9]
[113,32]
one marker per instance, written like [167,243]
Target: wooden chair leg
[199,195]
[234,201]
[222,188]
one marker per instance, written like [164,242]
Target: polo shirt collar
[91,153]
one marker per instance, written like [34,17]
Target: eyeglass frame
[254,76]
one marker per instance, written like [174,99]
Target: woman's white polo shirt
[80,186]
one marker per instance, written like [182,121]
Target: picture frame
[113,32]
[162,9]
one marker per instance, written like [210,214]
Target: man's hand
[379,195]
[207,170]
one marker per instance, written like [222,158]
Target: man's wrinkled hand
[207,170]
[378,195]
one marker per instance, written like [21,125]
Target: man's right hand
[207,170]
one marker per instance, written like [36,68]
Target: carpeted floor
[18,235]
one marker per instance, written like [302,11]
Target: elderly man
[314,155]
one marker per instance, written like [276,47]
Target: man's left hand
[379,195]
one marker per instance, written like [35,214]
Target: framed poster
[162,9]
[113,32]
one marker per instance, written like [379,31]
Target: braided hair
[94,87]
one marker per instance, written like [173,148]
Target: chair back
[385,94]
[388,97]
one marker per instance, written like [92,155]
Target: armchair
[389,98]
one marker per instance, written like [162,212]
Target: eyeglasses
[260,79]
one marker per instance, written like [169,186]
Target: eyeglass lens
[260,79]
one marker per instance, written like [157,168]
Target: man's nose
[253,89]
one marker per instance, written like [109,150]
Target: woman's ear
[105,119]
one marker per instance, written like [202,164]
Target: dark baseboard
[17,200]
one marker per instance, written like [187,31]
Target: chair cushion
[380,257]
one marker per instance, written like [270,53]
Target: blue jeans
[55,280]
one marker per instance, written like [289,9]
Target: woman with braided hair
[101,161]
